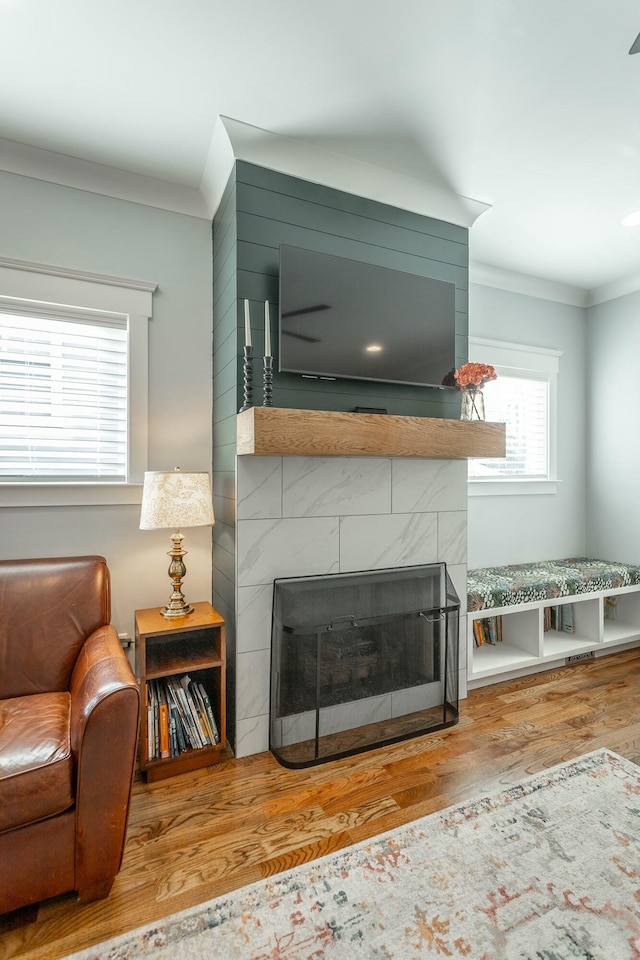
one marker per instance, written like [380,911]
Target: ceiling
[531,106]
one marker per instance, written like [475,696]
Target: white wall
[52,224]
[613,492]
[518,529]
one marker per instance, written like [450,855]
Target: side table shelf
[180,665]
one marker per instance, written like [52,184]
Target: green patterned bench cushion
[489,587]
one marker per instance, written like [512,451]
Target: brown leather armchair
[69,707]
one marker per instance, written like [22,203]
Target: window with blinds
[63,399]
[525,398]
[522,403]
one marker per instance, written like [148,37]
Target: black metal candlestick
[267,393]
[247,373]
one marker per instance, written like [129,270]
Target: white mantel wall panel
[300,516]
[452,537]
[288,547]
[428,485]
[325,487]
[254,617]
[392,540]
[260,479]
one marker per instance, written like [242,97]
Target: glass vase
[472,403]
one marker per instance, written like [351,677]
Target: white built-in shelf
[618,630]
[526,645]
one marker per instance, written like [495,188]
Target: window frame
[540,363]
[26,286]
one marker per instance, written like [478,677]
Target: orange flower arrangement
[474,375]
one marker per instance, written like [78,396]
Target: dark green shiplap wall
[225,407]
[260,210]
[273,208]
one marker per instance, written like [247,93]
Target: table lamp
[176,499]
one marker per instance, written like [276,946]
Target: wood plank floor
[202,834]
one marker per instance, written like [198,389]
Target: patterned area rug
[547,870]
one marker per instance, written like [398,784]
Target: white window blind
[525,398]
[63,399]
[522,403]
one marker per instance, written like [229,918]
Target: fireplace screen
[360,660]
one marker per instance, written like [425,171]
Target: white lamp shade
[175,499]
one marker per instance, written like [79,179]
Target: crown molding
[46,165]
[615,289]
[233,140]
[490,276]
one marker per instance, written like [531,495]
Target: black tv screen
[344,318]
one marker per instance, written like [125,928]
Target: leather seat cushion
[36,763]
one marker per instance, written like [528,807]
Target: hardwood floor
[202,834]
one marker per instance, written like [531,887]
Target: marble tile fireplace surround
[304,515]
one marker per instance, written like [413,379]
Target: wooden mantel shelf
[277,432]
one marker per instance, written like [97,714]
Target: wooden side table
[180,665]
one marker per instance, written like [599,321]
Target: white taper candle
[247,325]
[267,330]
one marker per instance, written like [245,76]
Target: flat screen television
[343,318]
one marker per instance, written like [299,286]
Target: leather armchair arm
[105,708]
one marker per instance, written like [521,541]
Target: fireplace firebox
[359,660]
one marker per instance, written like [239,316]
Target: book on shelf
[179,717]
[151,722]
[209,713]
[566,619]
[163,722]
[198,699]
[487,630]
[558,617]
[191,734]
[178,739]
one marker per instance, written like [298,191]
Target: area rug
[549,869]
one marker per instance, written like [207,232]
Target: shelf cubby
[586,629]
[520,644]
[626,625]
[527,645]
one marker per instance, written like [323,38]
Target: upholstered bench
[489,587]
[512,631]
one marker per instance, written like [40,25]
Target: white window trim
[518,359]
[23,285]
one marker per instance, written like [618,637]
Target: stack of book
[179,717]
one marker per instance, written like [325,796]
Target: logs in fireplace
[359,660]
